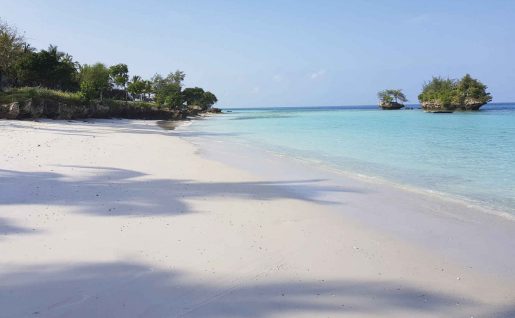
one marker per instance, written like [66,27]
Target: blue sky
[285,53]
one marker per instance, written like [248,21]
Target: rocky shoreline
[390,105]
[47,108]
[436,107]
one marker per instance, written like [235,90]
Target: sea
[469,156]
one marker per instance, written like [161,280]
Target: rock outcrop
[470,104]
[467,105]
[432,107]
[390,105]
[47,108]
[214,110]
[10,111]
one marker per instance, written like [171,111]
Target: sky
[284,52]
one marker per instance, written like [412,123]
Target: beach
[121,218]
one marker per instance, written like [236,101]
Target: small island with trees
[449,95]
[390,99]
[50,84]
[442,96]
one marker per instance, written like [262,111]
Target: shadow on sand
[99,127]
[7,228]
[125,289]
[111,191]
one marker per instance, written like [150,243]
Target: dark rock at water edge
[390,105]
[214,110]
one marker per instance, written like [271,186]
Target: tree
[470,89]
[167,90]
[136,86]
[119,74]
[385,97]
[198,97]
[49,68]
[12,48]
[391,96]
[439,90]
[451,93]
[94,80]
[176,77]
[208,100]
[193,96]
[148,88]
[399,96]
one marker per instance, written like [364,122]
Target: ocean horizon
[488,106]
[464,155]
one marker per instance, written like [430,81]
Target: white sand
[124,219]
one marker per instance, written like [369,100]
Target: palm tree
[137,86]
[391,99]
[148,88]
[398,95]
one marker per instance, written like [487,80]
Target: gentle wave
[461,156]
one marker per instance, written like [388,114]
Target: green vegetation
[94,81]
[466,93]
[137,86]
[198,97]
[29,74]
[167,89]
[47,68]
[391,96]
[391,99]
[120,76]
[12,48]
[39,93]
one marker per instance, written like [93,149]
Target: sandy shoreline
[124,219]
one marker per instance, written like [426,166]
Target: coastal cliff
[48,108]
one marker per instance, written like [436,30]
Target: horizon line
[333,106]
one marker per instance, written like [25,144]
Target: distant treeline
[23,66]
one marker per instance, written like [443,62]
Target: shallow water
[465,155]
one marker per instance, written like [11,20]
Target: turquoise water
[466,155]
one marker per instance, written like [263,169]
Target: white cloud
[317,74]
[256,89]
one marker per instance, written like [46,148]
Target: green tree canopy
[136,86]
[49,68]
[193,96]
[451,92]
[21,65]
[119,74]
[469,88]
[12,48]
[94,80]
[208,100]
[391,95]
[198,97]
[148,88]
[168,90]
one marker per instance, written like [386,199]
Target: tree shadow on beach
[8,228]
[100,127]
[112,191]
[125,289]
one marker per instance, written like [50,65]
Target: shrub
[39,93]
